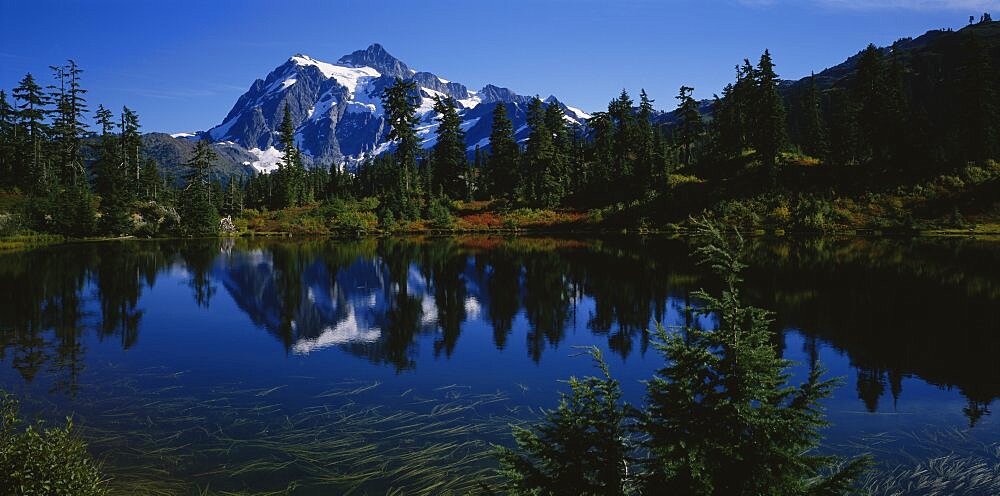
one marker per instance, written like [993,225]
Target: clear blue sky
[182,65]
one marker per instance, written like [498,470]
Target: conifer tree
[581,447]
[31,113]
[690,126]
[290,174]
[400,102]
[554,180]
[622,116]
[645,143]
[504,157]
[110,179]
[721,417]
[199,216]
[769,134]
[7,143]
[130,151]
[448,157]
[814,140]
[68,125]
[540,183]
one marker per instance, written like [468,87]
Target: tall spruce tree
[769,125]
[689,126]
[68,124]
[449,163]
[400,102]
[199,216]
[540,185]
[7,143]
[32,103]
[130,150]
[290,174]
[110,179]
[645,144]
[814,141]
[504,157]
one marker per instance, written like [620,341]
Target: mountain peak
[376,57]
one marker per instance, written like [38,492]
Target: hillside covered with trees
[903,138]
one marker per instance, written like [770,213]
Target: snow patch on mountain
[347,77]
[267,160]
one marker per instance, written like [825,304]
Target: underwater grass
[238,440]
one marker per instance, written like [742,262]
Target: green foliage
[581,448]
[439,214]
[720,416]
[41,461]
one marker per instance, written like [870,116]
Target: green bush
[44,461]
[439,214]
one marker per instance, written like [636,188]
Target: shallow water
[393,363]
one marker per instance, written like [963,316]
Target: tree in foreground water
[720,417]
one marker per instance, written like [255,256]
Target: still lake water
[393,363]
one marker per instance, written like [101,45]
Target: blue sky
[182,65]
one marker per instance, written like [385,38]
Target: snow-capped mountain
[337,111]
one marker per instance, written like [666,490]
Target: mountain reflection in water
[898,308]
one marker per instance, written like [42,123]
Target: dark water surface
[393,363]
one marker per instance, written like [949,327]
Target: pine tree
[130,151]
[110,179]
[689,126]
[721,417]
[31,113]
[645,144]
[503,163]
[69,126]
[769,124]
[448,157]
[869,95]
[580,449]
[554,180]
[540,183]
[622,116]
[400,102]
[290,175]
[7,141]
[199,216]
[814,140]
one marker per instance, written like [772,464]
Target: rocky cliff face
[337,110]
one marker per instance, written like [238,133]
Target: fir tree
[31,113]
[7,141]
[130,151]
[503,161]
[645,143]
[110,178]
[769,125]
[622,116]
[690,126]
[540,183]
[448,157]
[814,140]
[290,174]
[400,103]
[68,125]
[199,216]
[721,418]
[580,449]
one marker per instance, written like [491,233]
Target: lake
[322,365]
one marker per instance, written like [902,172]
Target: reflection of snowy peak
[337,111]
